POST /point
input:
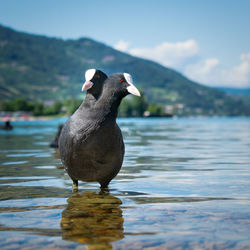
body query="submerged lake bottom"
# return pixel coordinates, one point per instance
(184, 184)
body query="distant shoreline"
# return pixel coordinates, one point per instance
(29, 118)
(46, 118)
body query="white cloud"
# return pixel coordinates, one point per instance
(203, 71)
(239, 74)
(185, 57)
(122, 46)
(209, 65)
(169, 54)
(211, 72)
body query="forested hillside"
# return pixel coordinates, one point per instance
(40, 68)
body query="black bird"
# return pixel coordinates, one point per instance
(91, 144)
(94, 80)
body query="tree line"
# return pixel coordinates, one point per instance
(132, 106)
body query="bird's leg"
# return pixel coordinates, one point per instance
(75, 186)
(104, 186)
(104, 191)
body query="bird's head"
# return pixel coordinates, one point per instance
(121, 84)
(94, 80)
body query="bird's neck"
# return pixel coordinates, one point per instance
(91, 98)
(108, 105)
(88, 102)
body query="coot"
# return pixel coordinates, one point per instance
(94, 80)
(91, 144)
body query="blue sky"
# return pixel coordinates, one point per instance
(208, 41)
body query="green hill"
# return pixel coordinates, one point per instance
(43, 68)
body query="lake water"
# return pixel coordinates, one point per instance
(184, 184)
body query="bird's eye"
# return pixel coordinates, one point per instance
(121, 80)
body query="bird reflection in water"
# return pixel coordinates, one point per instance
(93, 219)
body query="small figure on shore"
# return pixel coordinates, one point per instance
(6, 126)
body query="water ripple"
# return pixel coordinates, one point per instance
(183, 185)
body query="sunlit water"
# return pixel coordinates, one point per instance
(184, 184)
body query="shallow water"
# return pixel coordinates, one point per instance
(184, 184)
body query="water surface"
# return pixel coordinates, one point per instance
(184, 184)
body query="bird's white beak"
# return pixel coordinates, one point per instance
(87, 85)
(133, 90)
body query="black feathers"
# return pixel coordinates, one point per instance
(91, 144)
